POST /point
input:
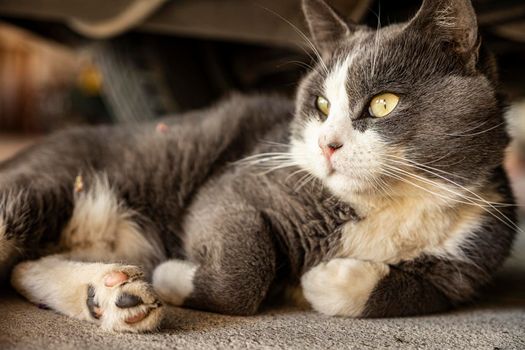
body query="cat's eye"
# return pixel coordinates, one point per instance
(383, 104)
(322, 105)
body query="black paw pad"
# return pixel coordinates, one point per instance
(126, 300)
(91, 303)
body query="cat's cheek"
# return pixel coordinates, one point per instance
(342, 287)
(306, 151)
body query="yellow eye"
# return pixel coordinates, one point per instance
(382, 104)
(322, 105)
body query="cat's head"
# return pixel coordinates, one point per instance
(409, 100)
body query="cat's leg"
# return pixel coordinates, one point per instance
(113, 295)
(84, 281)
(37, 190)
(230, 263)
(349, 287)
(31, 214)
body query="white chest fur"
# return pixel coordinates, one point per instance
(397, 230)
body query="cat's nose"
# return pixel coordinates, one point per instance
(329, 147)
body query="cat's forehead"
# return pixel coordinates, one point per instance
(388, 57)
(366, 38)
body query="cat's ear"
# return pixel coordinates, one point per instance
(451, 21)
(326, 26)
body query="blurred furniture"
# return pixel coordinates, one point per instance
(34, 73)
(263, 21)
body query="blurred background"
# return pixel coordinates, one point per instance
(76, 62)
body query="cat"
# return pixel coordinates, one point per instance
(378, 191)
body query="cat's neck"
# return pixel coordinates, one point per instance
(420, 196)
(410, 221)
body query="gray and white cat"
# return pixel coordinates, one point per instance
(379, 191)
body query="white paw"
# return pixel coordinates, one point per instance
(122, 301)
(342, 286)
(112, 295)
(173, 280)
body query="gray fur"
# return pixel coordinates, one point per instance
(250, 231)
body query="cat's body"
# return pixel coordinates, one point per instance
(239, 208)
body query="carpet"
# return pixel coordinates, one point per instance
(495, 321)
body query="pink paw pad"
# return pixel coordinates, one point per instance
(136, 318)
(115, 278)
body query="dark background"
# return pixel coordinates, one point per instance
(186, 54)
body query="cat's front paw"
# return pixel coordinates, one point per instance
(122, 301)
(342, 286)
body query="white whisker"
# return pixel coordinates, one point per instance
(424, 168)
(303, 36)
(376, 43)
(502, 218)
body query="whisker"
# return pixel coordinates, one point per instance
(437, 160)
(508, 222)
(511, 225)
(376, 42)
(402, 173)
(441, 186)
(298, 63)
(422, 168)
(269, 155)
(282, 166)
(274, 143)
(466, 134)
(295, 173)
(479, 132)
(302, 35)
(301, 183)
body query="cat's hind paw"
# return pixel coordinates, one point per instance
(112, 295)
(123, 301)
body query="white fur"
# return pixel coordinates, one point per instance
(103, 229)
(516, 120)
(173, 280)
(63, 284)
(342, 286)
(357, 164)
(335, 90)
(409, 224)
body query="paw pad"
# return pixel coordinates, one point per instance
(115, 278)
(126, 300)
(93, 307)
(136, 318)
(123, 301)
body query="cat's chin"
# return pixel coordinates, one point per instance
(346, 187)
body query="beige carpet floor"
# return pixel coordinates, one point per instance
(496, 321)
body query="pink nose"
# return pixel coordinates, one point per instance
(329, 148)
